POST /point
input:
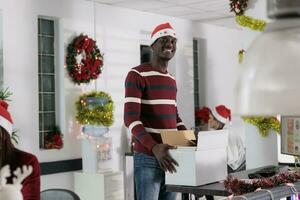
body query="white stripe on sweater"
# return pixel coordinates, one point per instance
(132, 100)
(152, 73)
(159, 101)
(133, 124)
(153, 130)
(150, 102)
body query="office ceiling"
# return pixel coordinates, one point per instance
(196, 10)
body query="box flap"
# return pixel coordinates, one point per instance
(179, 138)
(212, 139)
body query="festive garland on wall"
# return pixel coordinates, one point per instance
(239, 187)
(264, 124)
(101, 115)
(84, 60)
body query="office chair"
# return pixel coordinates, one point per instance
(58, 194)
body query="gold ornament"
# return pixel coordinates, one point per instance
(241, 55)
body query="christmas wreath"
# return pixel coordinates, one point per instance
(84, 60)
(239, 187)
(264, 124)
(100, 115)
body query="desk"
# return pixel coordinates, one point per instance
(213, 189)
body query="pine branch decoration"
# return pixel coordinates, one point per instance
(5, 94)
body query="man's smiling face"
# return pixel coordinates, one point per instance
(165, 47)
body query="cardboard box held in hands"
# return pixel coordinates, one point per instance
(201, 163)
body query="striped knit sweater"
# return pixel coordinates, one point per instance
(150, 106)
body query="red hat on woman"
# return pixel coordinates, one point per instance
(222, 114)
(162, 30)
(5, 118)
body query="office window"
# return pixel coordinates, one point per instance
(46, 74)
(196, 77)
(146, 53)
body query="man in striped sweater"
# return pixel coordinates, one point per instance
(150, 107)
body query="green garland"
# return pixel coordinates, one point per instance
(100, 115)
(264, 124)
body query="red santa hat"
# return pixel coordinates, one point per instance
(162, 30)
(5, 118)
(222, 114)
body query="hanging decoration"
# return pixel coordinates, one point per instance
(264, 124)
(240, 187)
(241, 55)
(92, 110)
(238, 6)
(84, 60)
(250, 22)
(54, 139)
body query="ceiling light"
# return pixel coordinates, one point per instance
(269, 82)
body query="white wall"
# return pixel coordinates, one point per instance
(218, 63)
(119, 33)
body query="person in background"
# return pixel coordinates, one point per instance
(9, 155)
(219, 118)
(150, 107)
(202, 116)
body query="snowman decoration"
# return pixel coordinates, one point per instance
(13, 191)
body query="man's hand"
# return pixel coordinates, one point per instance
(166, 162)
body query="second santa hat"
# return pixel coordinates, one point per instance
(222, 114)
(5, 118)
(162, 30)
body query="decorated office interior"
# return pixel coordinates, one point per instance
(149, 99)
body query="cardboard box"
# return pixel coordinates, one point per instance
(199, 164)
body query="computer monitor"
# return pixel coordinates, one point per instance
(290, 135)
